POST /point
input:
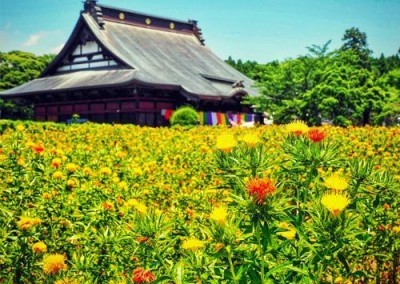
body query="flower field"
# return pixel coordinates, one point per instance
(126, 204)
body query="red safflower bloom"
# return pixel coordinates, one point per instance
(140, 275)
(260, 188)
(316, 135)
(38, 149)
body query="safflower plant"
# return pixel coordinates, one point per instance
(126, 204)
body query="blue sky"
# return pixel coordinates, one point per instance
(261, 30)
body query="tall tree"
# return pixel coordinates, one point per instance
(355, 40)
(319, 50)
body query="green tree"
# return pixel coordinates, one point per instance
(17, 68)
(355, 40)
(390, 113)
(322, 87)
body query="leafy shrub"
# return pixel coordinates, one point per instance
(185, 116)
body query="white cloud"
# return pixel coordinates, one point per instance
(35, 38)
(57, 49)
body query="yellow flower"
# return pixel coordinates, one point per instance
(123, 185)
(54, 263)
(284, 225)
(39, 247)
(87, 171)
(3, 158)
(290, 232)
(192, 244)
(289, 235)
(336, 182)
(137, 171)
(58, 175)
(71, 167)
(71, 183)
(20, 127)
(297, 127)
(25, 223)
(226, 143)
(105, 171)
(46, 196)
(21, 161)
(140, 207)
(396, 229)
(335, 202)
(121, 155)
(219, 215)
(251, 140)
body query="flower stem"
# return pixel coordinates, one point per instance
(261, 252)
(232, 267)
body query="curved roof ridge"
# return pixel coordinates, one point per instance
(190, 22)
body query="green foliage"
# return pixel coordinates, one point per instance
(17, 68)
(15, 108)
(356, 41)
(185, 116)
(345, 86)
(320, 245)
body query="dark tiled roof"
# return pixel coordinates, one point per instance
(78, 79)
(157, 55)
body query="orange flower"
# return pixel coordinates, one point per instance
(140, 275)
(38, 148)
(107, 205)
(218, 247)
(316, 135)
(260, 188)
(54, 263)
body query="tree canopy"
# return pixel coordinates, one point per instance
(345, 87)
(17, 68)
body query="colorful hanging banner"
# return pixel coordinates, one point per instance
(217, 118)
(167, 113)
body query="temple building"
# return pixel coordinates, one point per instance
(128, 67)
